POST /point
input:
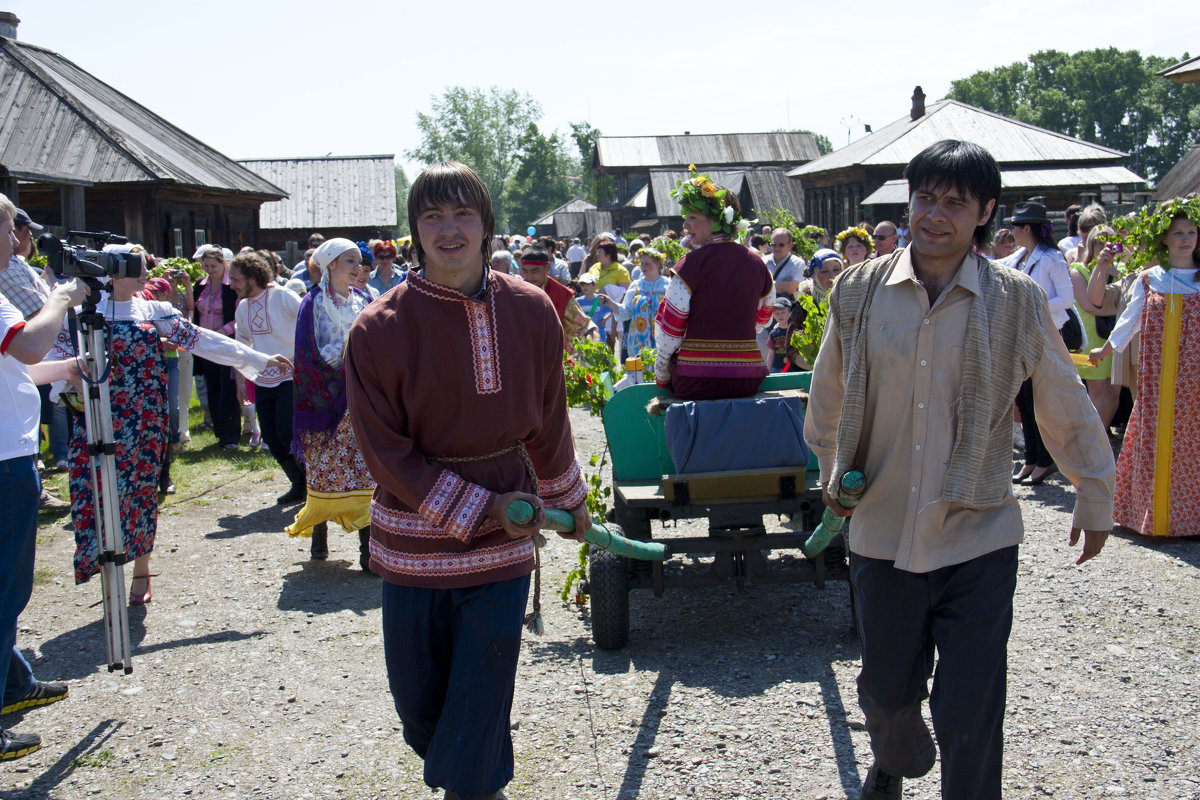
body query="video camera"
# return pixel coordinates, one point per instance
(77, 261)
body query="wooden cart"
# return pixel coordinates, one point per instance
(647, 488)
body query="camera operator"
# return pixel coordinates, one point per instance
(23, 342)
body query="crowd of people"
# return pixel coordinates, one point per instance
(979, 328)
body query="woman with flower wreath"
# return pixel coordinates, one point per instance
(854, 245)
(339, 484)
(640, 304)
(1157, 491)
(720, 295)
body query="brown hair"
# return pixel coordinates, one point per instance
(454, 184)
(254, 268)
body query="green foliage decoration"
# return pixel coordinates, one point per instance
(807, 340)
(590, 373)
(776, 217)
(193, 270)
(1141, 233)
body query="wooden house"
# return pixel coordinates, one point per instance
(1186, 71)
(349, 196)
(864, 179)
(1182, 179)
(567, 221)
(646, 168)
(78, 155)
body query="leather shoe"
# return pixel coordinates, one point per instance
(1040, 479)
(140, 598)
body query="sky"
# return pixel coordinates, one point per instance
(257, 79)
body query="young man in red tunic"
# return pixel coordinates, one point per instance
(457, 396)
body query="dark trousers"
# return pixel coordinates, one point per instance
(964, 612)
(1036, 454)
(274, 406)
(20, 488)
(222, 400)
(452, 663)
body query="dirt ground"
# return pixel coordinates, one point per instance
(259, 674)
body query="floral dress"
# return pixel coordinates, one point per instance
(137, 384)
(639, 307)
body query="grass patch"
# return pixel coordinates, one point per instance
(43, 575)
(101, 758)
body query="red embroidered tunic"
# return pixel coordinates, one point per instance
(435, 381)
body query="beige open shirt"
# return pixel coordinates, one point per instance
(914, 361)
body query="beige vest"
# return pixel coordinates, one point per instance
(1003, 346)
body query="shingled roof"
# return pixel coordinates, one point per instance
(1009, 141)
(61, 124)
(329, 192)
(761, 149)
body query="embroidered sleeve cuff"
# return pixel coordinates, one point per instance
(456, 506)
(1092, 515)
(566, 491)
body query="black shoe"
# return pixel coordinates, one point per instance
(1040, 479)
(319, 549)
(879, 785)
(364, 548)
(15, 745)
(296, 494)
(42, 694)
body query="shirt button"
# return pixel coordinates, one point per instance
(926, 322)
(914, 488)
(920, 405)
(918, 447)
(923, 363)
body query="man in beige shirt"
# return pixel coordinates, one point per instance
(929, 572)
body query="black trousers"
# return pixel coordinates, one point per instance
(1036, 454)
(274, 406)
(222, 400)
(964, 613)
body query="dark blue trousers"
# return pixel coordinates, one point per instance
(20, 488)
(963, 611)
(452, 664)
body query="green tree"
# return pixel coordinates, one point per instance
(542, 180)
(1108, 96)
(482, 129)
(824, 146)
(599, 190)
(402, 186)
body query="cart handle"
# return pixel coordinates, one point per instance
(608, 537)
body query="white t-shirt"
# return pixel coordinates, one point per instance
(20, 405)
(576, 253)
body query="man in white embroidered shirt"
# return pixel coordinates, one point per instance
(266, 320)
(923, 353)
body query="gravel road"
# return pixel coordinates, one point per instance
(259, 674)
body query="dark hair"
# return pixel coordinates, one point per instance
(1072, 214)
(610, 248)
(315, 240)
(548, 243)
(757, 240)
(537, 253)
(254, 268)
(1042, 233)
(453, 184)
(963, 166)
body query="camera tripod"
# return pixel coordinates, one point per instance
(102, 468)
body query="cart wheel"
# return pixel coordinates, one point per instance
(609, 591)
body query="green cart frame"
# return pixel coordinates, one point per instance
(646, 488)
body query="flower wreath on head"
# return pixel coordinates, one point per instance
(1151, 234)
(698, 193)
(858, 233)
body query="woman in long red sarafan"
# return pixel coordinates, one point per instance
(1157, 492)
(720, 296)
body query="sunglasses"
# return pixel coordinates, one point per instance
(879, 237)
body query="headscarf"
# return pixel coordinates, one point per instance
(334, 314)
(814, 266)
